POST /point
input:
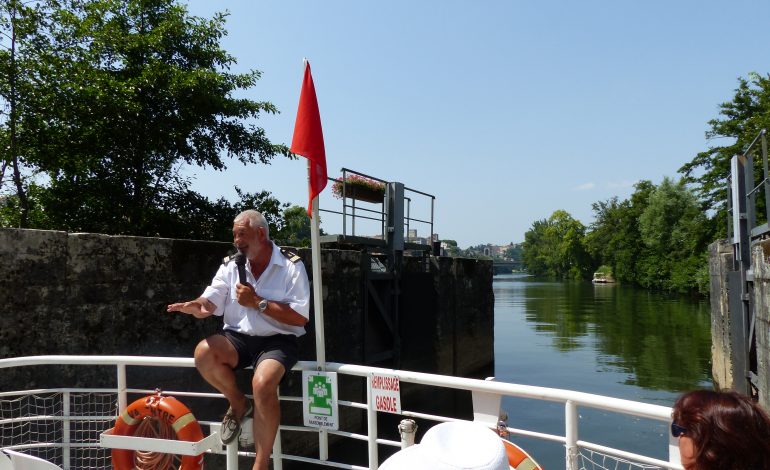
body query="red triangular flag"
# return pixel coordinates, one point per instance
(308, 139)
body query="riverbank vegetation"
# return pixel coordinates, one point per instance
(659, 236)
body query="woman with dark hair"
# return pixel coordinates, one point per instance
(721, 431)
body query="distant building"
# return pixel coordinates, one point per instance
(497, 251)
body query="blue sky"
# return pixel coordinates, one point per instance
(504, 110)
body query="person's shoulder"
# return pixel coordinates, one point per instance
(227, 259)
(291, 255)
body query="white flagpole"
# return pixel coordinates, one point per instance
(318, 306)
(318, 309)
(318, 303)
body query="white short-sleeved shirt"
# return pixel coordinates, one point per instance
(282, 281)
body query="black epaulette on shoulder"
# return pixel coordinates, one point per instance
(293, 257)
(227, 259)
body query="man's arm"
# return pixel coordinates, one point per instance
(199, 308)
(277, 310)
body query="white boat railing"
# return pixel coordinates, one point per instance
(484, 392)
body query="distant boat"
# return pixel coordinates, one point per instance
(602, 278)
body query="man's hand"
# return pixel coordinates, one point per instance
(199, 308)
(247, 296)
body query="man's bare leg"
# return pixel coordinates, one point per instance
(215, 358)
(267, 411)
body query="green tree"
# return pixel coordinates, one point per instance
(556, 248)
(21, 45)
(535, 249)
(605, 240)
(570, 259)
(196, 217)
(296, 228)
(739, 123)
(614, 238)
(672, 228)
(130, 92)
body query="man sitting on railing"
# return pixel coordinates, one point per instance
(263, 316)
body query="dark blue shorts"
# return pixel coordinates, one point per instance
(254, 349)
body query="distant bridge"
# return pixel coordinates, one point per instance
(506, 267)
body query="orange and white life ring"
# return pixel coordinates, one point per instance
(164, 408)
(518, 458)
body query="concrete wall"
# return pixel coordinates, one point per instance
(77, 293)
(720, 262)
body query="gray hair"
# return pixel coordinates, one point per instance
(255, 219)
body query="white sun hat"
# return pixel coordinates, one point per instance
(459, 445)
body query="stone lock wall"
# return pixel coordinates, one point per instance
(720, 262)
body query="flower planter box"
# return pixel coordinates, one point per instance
(359, 187)
(364, 194)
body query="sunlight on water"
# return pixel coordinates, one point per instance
(604, 339)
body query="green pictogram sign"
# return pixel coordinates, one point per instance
(320, 392)
(319, 395)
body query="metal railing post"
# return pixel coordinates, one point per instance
(765, 174)
(432, 204)
(371, 426)
(122, 399)
(277, 451)
(571, 435)
(231, 462)
(66, 430)
(751, 196)
(344, 203)
(674, 455)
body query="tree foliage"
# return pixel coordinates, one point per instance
(672, 228)
(655, 239)
(614, 238)
(658, 237)
(296, 228)
(21, 45)
(120, 96)
(739, 123)
(555, 247)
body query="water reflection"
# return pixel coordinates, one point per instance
(606, 339)
(663, 342)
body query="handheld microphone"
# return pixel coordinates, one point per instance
(240, 261)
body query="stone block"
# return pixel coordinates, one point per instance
(32, 258)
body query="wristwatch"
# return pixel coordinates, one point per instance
(262, 305)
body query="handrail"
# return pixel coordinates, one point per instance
(159, 361)
(348, 192)
(571, 399)
(662, 413)
(645, 410)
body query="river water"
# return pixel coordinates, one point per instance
(611, 340)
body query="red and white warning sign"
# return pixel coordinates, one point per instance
(386, 393)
